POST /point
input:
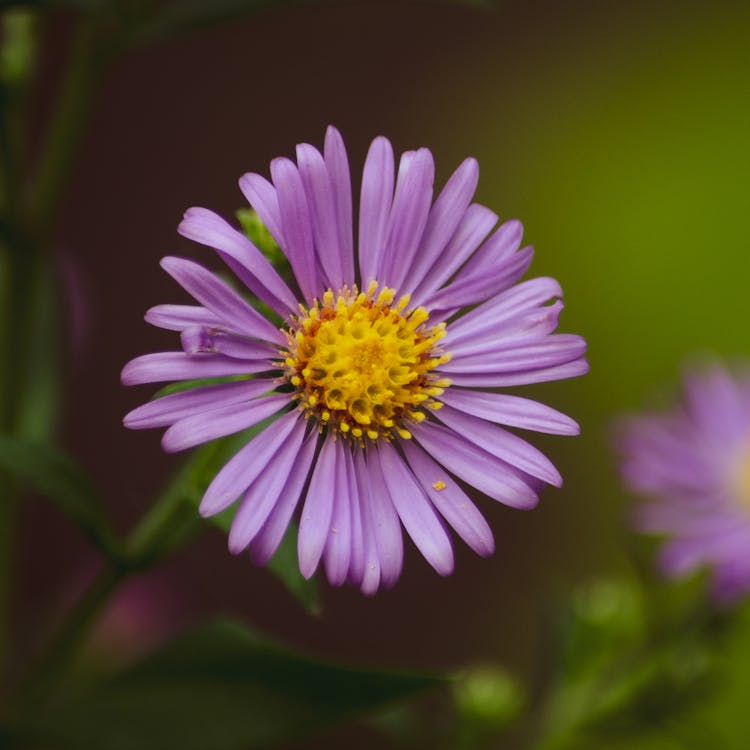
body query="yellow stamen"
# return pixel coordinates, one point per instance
(363, 366)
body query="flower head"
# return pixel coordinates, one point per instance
(378, 378)
(694, 463)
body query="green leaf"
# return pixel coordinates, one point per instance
(57, 477)
(222, 687)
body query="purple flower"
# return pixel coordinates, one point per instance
(382, 384)
(694, 462)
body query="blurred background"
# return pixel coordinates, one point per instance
(618, 133)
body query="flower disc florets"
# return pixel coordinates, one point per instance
(362, 365)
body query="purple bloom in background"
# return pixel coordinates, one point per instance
(378, 379)
(694, 462)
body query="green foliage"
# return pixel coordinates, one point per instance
(221, 687)
(51, 473)
(259, 235)
(17, 46)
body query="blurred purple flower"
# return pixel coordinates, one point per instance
(371, 354)
(694, 461)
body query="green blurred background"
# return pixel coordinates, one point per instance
(619, 133)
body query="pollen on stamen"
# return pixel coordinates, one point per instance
(362, 365)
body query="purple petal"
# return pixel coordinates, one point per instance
(267, 541)
(357, 557)
(411, 207)
(264, 492)
(470, 290)
(523, 377)
(337, 164)
(503, 243)
(502, 444)
(513, 411)
(371, 561)
(242, 469)
(514, 356)
(415, 511)
(475, 225)
(385, 524)
(247, 262)
(450, 500)
(209, 425)
(161, 367)
(315, 523)
(177, 317)
(523, 297)
(220, 299)
(317, 184)
(445, 215)
(261, 195)
(338, 548)
(296, 226)
(528, 326)
(168, 409)
(375, 207)
(475, 466)
(202, 340)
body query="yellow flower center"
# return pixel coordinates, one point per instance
(362, 365)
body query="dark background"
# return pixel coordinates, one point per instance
(618, 133)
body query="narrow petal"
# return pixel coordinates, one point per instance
(337, 164)
(221, 299)
(264, 492)
(357, 558)
(450, 500)
(371, 570)
(202, 340)
(522, 377)
(385, 524)
(242, 469)
(177, 317)
(515, 356)
(317, 184)
(261, 195)
(503, 243)
(161, 367)
(266, 542)
(502, 444)
(338, 548)
(513, 411)
(226, 420)
(470, 290)
(168, 409)
(375, 207)
(296, 226)
(445, 215)
(315, 524)
(236, 250)
(415, 511)
(528, 326)
(475, 466)
(475, 225)
(525, 296)
(409, 213)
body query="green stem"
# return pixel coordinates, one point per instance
(64, 646)
(168, 524)
(75, 102)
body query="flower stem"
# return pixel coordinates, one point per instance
(75, 100)
(168, 524)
